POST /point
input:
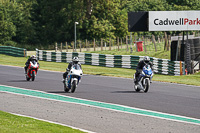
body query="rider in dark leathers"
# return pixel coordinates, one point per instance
(141, 64)
(32, 58)
(75, 60)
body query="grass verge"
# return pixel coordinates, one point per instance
(105, 71)
(10, 123)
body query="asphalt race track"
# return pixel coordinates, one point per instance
(169, 98)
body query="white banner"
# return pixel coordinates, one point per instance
(174, 20)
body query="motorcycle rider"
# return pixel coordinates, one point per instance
(141, 64)
(32, 58)
(75, 60)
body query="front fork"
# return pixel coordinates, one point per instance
(69, 81)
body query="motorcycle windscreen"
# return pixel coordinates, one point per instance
(147, 70)
(76, 67)
(34, 62)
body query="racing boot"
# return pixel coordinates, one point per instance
(63, 80)
(25, 70)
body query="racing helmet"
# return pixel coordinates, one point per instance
(146, 59)
(75, 60)
(33, 57)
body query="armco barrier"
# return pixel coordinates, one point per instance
(13, 51)
(161, 66)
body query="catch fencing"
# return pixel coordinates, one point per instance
(161, 66)
(13, 51)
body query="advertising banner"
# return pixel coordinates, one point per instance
(174, 20)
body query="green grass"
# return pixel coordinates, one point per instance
(10, 123)
(97, 70)
(159, 54)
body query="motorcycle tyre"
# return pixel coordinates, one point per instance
(73, 86)
(33, 76)
(66, 89)
(147, 85)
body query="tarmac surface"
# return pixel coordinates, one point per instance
(169, 98)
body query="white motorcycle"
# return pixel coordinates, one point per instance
(144, 79)
(73, 78)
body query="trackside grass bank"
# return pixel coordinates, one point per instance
(105, 71)
(10, 123)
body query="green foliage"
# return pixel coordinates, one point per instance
(15, 23)
(44, 22)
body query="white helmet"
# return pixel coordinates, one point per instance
(146, 59)
(33, 57)
(75, 60)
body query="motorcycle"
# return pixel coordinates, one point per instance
(73, 78)
(144, 79)
(32, 70)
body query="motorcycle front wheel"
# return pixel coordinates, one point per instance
(33, 76)
(146, 85)
(73, 86)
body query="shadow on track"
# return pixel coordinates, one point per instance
(17, 81)
(57, 92)
(125, 92)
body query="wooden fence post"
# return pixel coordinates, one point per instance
(165, 46)
(121, 43)
(61, 46)
(101, 44)
(80, 45)
(118, 42)
(86, 45)
(110, 44)
(136, 43)
(169, 42)
(154, 42)
(145, 49)
(88, 42)
(127, 43)
(73, 46)
(56, 47)
(94, 44)
(66, 47)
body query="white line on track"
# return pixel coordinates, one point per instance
(107, 108)
(52, 122)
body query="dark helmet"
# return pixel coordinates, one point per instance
(146, 59)
(75, 60)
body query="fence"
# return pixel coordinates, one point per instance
(13, 51)
(161, 66)
(128, 43)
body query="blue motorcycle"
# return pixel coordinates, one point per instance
(144, 79)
